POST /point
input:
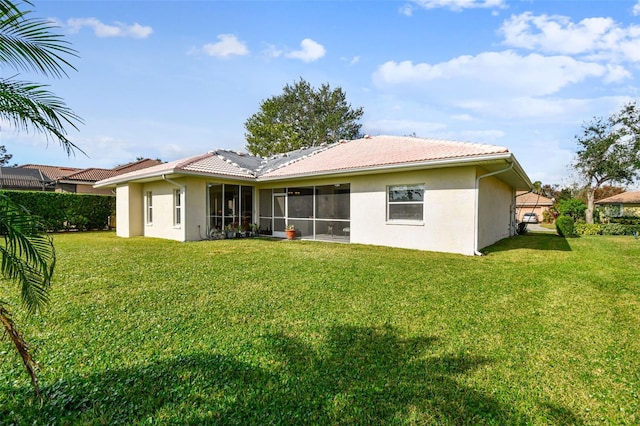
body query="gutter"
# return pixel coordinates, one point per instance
(476, 225)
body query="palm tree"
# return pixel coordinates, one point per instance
(27, 253)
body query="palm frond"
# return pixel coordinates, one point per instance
(21, 345)
(28, 255)
(30, 106)
(28, 44)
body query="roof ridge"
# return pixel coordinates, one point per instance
(180, 164)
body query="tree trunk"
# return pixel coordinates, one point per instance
(591, 193)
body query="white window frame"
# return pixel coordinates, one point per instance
(177, 208)
(405, 221)
(149, 207)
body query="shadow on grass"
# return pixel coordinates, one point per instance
(357, 376)
(531, 241)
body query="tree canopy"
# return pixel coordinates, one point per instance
(609, 151)
(301, 116)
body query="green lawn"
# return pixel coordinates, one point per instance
(541, 330)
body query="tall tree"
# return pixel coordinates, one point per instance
(301, 116)
(27, 253)
(4, 156)
(609, 152)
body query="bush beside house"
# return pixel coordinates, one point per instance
(66, 211)
(564, 226)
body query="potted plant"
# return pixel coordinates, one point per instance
(291, 232)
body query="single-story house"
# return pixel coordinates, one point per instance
(530, 202)
(625, 204)
(405, 192)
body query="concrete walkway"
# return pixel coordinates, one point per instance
(535, 227)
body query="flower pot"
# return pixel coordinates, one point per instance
(291, 234)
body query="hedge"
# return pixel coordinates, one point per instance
(626, 220)
(564, 226)
(65, 211)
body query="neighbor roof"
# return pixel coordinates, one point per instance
(631, 197)
(532, 199)
(90, 175)
(15, 177)
(356, 156)
(52, 172)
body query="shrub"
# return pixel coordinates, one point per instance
(59, 211)
(564, 226)
(618, 229)
(547, 216)
(626, 220)
(587, 229)
(572, 207)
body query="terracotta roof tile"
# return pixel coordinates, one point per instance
(52, 172)
(381, 151)
(631, 197)
(91, 175)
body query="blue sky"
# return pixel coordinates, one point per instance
(169, 79)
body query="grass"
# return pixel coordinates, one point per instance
(541, 330)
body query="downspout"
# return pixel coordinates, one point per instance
(476, 225)
(183, 188)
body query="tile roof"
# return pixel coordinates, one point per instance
(90, 175)
(160, 169)
(356, 155)
(136, 165)
(532, 199)
(631, 197)
(52, 172)
(380, 151)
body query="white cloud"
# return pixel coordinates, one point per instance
(599, 37)
(227, 45)
(406, 10)
(458, 5)
(636, 9)
(271, 51)
(118, 29)
(311, 51)
(495, 74)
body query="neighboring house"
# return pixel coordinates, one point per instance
(530, 202)
(81, 181)
(625, 204)
(407, 192)
(15, 178)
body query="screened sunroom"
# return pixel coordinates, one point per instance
(317, 212)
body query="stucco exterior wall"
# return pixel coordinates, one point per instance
(196, 213)
(496, 212)
(129, 210)
(162, 225)
(448, 211)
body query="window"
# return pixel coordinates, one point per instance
(149, 207)
(177, 207)
(406, 203)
